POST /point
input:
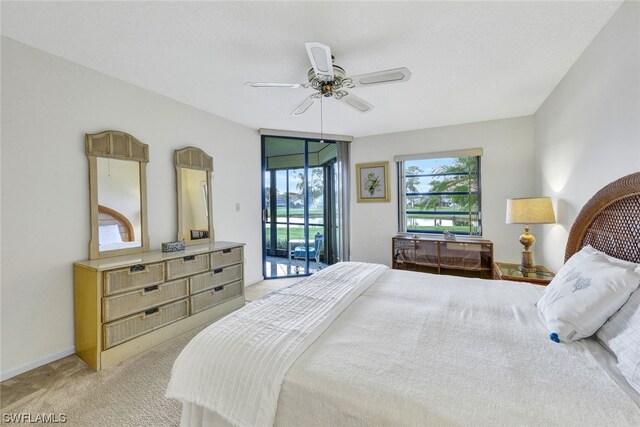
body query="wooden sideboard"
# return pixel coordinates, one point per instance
(126, 305)
(465, 256)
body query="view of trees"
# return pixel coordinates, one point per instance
(295, 196)
(316, 187)
(294, 200)
(452, 180)
(458, 175)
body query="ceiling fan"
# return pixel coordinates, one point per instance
(330, 80)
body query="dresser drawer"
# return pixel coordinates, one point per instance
(216, 277)
(215, 296)
(132, 302)
(187, 266)
(122, 330)
(134, 277)
(226, 257)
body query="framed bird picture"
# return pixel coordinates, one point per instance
(373, 182)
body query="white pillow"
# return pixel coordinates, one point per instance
(109, 234)
(621, 335)
(588, 250)
(583, 295)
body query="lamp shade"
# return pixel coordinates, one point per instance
(530, 210)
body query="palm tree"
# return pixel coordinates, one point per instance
(466, 183)
(316, 189)
(413, 182)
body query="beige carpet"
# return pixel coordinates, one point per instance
(130, 394)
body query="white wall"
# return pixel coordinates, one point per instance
(48, 104)
(587, 132)
(506, 171)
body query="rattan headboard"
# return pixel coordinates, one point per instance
(610, 221)
(108, 216)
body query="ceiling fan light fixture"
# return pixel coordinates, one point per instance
(330, 80)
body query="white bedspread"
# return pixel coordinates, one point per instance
(421, 350)
(418, 349)
(235, 367)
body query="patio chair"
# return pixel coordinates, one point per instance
(300, 253)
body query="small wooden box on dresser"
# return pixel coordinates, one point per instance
(128, 304)
(465, 256)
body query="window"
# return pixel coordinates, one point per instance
(440, 194)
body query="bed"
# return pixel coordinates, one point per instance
(362, 345)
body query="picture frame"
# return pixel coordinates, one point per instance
(373, 182)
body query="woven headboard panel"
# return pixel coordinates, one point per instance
(610, 221)
(107, 216)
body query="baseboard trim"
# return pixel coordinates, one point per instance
(253, 283)
(37, 363)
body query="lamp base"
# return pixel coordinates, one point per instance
(526, 263)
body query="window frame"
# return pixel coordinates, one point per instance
(402, 192)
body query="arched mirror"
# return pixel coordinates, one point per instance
(118, 192)
(193, 178)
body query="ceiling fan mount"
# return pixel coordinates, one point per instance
(328, 88)
(330, 80)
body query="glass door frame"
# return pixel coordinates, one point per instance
(271, 217)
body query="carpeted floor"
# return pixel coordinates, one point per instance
(129, 394)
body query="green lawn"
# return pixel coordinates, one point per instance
(295, 233)
(299, 212)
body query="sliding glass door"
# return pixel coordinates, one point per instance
(300, 223)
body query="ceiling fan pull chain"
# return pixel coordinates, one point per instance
(321, 139)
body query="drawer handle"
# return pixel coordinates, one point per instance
(150, 289)
(137, 268)
(151, 312)
(218, 288)
(189, 258)
(217, 270)
(226, 251)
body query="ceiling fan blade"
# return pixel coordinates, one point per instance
(308, 102)
(356, 102)
(395, 75)
(320, 57)
(285, 85)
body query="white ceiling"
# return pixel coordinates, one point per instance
(471, 61)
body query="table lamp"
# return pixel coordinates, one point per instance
(529, 210)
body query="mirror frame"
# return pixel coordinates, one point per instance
(122, 146)
(194, 158)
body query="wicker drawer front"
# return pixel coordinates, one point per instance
(226, 257)
(134, 277)
(132, 302)
(187, 266)
(122, 330)
(217, 277)
(216, 296)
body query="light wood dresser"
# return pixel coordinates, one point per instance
(128, 304)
